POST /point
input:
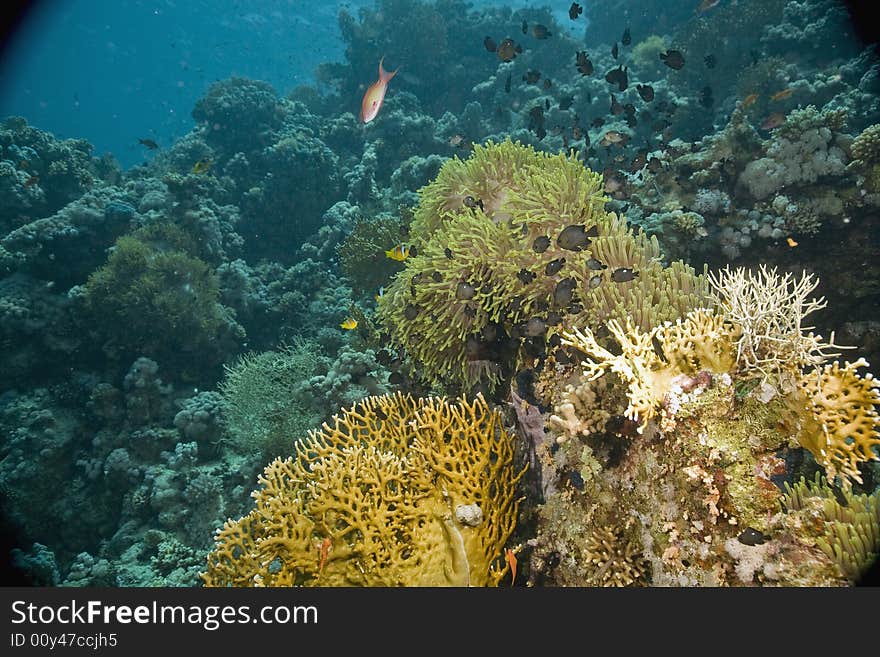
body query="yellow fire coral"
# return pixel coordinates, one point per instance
(838, 421)
(397, 491)
(653, 363)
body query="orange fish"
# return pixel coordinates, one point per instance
(773, 121)
(749, 100)
(510, 558)
(325, 551)
(372, 102)
(782, 95)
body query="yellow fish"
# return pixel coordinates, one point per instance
(202, 166)
(349, 324)
(791, 242)
(399, 253)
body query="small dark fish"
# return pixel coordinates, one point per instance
(646, 91)
(564, 292)
(540, 32)
(838, 494)
(583, 63)
(756, 57)
(437, 277)
(751, 536)
(626, 39)
(472, 203)
(149, 143)
(531, 76)
(598, 122)
(619, 77)
(547, 103)
(565, 102)
(525, 276)
(575, 10)
(595, 265)
(410, 312)
(547, 84)
(395, 378)
(710, 61)
(614, 50)
(490, 44)
(623, 275)
(658, 348)
(616, 108)
(630, 109)
(639, 161)
(541, 244)
(525, 27)
(31, 181)
(535, 327)
(554, 266)
(554, 318)
(448, 252)
(575, 237)
(507, 84)
(706, 99)
(595, 281)
(673, 59)
(508, 50)
(464, 291)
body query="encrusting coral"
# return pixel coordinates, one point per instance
(511, 243)
(397, 491)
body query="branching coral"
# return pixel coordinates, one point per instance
(847, 525)
(837, 419)
(396, 491)
(660, 362)
(770, 309)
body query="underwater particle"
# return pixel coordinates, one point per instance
(410, 312)
(595, 265)
(540, 31)
(751, 536)
(646, 91)
(508, 50)
(489, 44)
(710, 61)
(575, 10)
(554, 266)
(525, 276)
(535, 327)
(576, 237)
(626, 39)
(583, 63)
(564, 292)
(595, 281)
(673, 59)
(541, 244)
(623, 274)
(464, 291)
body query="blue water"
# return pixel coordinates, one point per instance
(113, 71)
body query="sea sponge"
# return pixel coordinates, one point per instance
(837, 419)
(395, 491)
(511, 243)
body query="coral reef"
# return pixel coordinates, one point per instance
(396, 491)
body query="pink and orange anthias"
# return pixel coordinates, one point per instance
(375, 95)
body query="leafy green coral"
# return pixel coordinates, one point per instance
(152, 296)
(512, 242)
